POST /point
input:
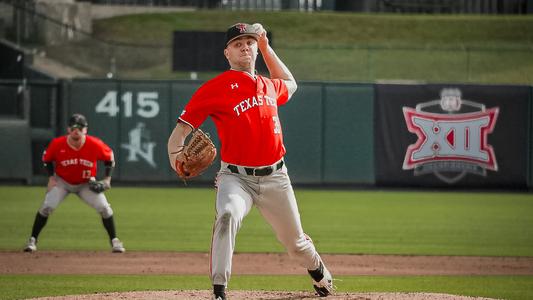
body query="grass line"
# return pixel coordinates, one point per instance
(500, 287)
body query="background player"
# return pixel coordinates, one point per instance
(71, 162)
(244, 107)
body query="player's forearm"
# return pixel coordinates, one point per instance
(176, 141)
(109, 166)
(178, 136)
(276, 68)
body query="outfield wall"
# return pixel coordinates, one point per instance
(465, 136)
(322, 120)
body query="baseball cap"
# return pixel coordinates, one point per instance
(77, 121)
(238, 30)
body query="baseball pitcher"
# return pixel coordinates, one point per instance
(244, 107)
(71, 162)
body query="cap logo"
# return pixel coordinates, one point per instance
(241, 27)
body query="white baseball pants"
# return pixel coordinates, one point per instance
(57, 194)
(274, 197)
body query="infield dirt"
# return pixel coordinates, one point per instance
(98, 262)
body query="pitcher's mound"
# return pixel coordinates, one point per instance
(278, 295)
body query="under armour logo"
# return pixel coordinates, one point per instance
(234, 86)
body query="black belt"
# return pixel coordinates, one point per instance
(257, 171)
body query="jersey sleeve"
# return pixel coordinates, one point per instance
(281, 91)
(49, 153)
(199, 107)
(105, 152)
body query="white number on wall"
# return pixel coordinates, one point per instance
(147, 105)
(108, 104)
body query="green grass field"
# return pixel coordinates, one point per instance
(369, 222)
(499, 287)
(325, 46)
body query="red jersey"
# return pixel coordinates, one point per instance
(77, 166)
(245, 112)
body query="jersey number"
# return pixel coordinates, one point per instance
(148, 107)
(86, 174)
(277, 125)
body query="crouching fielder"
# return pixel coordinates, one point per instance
(71, 162)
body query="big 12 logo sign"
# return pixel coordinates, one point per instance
(450, 143)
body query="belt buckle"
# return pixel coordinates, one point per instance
(263, 171)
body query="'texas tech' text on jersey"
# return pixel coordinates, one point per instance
(245, 112)
(77, 166)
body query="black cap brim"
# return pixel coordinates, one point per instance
(255, 36)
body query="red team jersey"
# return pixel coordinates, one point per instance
(77, 166)
(245, 112)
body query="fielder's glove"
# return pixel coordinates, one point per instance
(98, 186)
(197, 156)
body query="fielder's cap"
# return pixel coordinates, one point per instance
(77, 121)
(238, 30)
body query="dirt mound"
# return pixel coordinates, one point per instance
(241, 295)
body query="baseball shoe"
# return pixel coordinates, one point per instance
(117, 246)
(322, 281)
(219, 292)
(31, 246)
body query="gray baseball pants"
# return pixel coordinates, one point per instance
(57, 194)
(274, 197)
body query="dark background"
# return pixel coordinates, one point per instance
(509, 138)
(204, 51)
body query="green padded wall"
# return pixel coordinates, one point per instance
(348, 134)
(327, 128)
(302, 120)
(131, 117)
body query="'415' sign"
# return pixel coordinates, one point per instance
(140, 145)
(145, 104)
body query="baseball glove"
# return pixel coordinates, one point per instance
(98, 186)
(198, 154)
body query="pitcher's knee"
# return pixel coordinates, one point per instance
(45, 211)
(226, 222)
(105, 211)
(226, 218)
